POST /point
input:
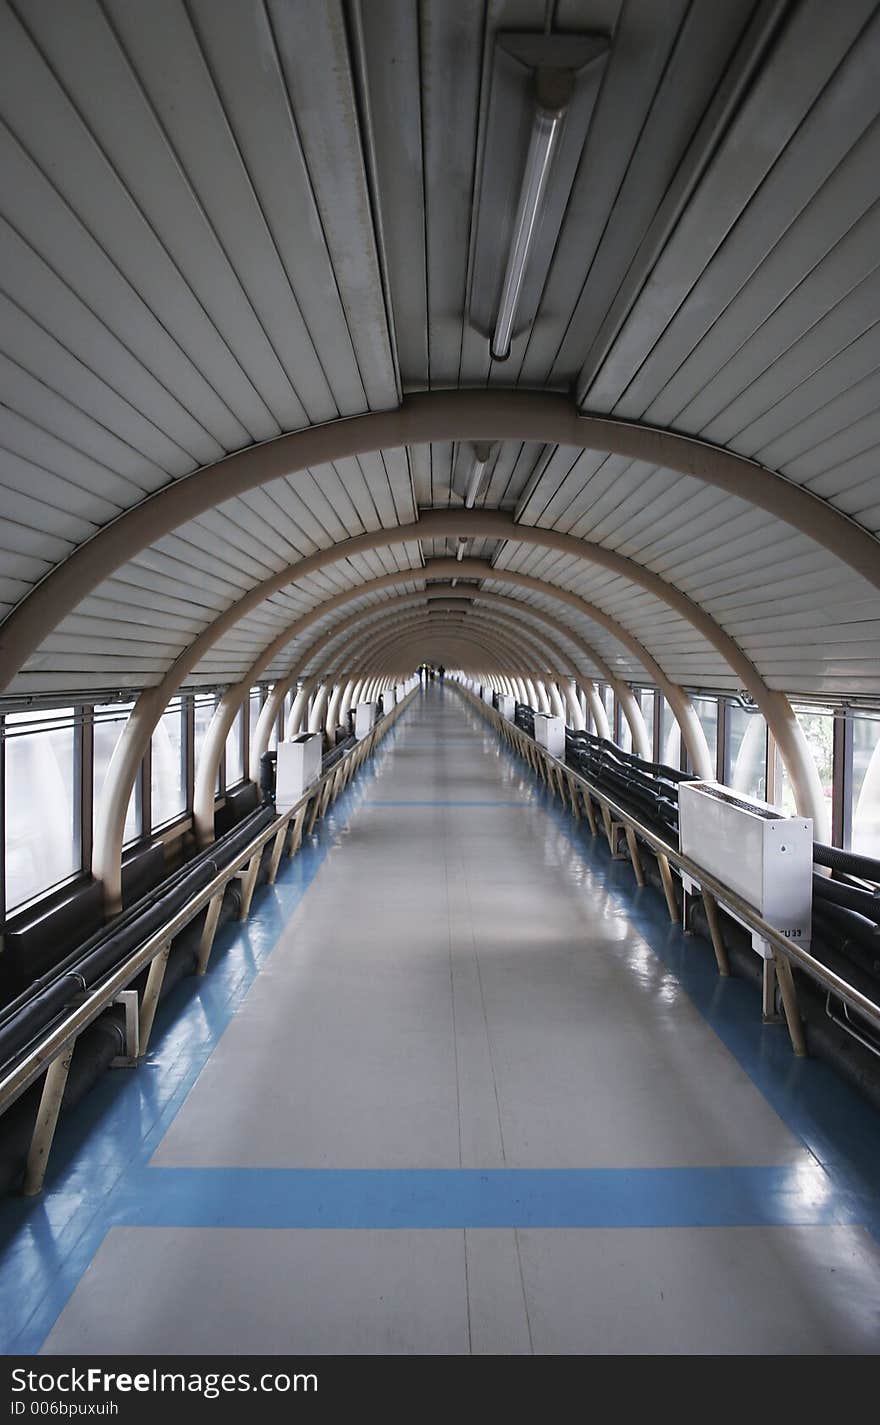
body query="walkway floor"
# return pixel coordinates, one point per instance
(458, 1088)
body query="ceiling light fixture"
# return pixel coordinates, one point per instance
(552, 91)
(541, 92)
(477, 476)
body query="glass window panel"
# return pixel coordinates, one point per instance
(670, 737)
(707, 713)
(646, 703)
(608, 700)
(273, 734)
(866, 786)
(203, 712)
(168, 780)
(109, 725)
(255, 702)
(625, 732)
(818, 729)
(747, 751)
(43, 845)
(235, 751)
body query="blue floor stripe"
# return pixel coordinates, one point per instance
(374, 802)
(458, 1198)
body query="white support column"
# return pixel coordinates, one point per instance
(316, 712)
(346, 699)
(569, 687)
(118, 786)
(357, 693)
(641, 742)
(333, 704)
(298, 708)
(262, 733)
(597, 708)
(557, 707)
(801, 767)
(208, 762)
(694, 737)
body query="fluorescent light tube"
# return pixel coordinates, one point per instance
(477, 475)
(543, 141)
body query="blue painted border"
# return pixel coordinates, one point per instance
(48, 1243)
(836, 1124)
(500, 1198)
(100, 1175)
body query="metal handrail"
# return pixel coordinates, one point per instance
(722, 893)
(32, 1062)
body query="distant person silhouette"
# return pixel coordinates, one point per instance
(440, 672)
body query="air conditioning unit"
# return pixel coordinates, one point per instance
(364, 719)
(756, 850)
(550, 733)
(298, 766)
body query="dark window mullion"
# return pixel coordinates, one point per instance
(842, 780)
(84, 794)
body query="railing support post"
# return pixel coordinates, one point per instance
(635, 856)
(788, 991)
(716, 933)
(249, 883)
(150, 1001)
(46, 1122)
(668, 883)
(209, 929)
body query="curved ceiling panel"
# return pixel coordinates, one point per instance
(212, 234)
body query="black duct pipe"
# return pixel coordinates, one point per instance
(865, 903)
(224, 848)
(268, 773)
(34, 1010)
(846, 862)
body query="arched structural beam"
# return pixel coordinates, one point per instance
(347, 654)
(511, 648)
(132, 744)
(480, 415)
(489, 524)
(352, 650)
(360, 630)
(446, 648)
(231, 703)
(688, 722)
(472, 524)
(692, 731)
(428, 633)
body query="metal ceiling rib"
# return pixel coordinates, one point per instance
(212, 232)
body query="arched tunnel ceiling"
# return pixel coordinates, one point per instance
(212, 234)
